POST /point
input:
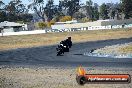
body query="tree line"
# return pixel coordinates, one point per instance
(14, 11)
(49, 12)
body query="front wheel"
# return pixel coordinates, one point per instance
(59, 53)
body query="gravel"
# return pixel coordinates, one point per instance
(42, 77)
(111, 51)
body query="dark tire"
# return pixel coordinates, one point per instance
(58, 53)
(81, 80)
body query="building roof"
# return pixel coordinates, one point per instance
(67, 22)
(9, 24)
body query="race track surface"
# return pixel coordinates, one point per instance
(46, 56)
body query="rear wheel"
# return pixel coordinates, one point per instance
(58, 53)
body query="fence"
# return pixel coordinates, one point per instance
(65, 30)
(89, 28)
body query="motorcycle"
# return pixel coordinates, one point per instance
(64, 46)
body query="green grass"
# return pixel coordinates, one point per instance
(21, 41)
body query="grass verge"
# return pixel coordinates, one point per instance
(127, 49)
(23, 41)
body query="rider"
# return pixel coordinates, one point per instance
(67, 42)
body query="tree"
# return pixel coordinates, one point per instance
(78, 15)
(95, 11)
(104, 11)
(38, 7)
(15, 11)
(127, 8)
(50, 10)
(46, 13)
(3, 16)
(16, 7)
(60, 6)
(85, 19)
(25, 17)
(41, 25)
(112, 14)
(65, 18)
(119, 11)
(57, 16)
(73, 7)
(20, 8)
(92, 10)
(1, 5)
(70, 6)
(10, 9)
(89, 8)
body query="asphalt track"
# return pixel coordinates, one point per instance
(46, 56)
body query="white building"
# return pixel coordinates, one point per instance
(100, 24)
(12, 27)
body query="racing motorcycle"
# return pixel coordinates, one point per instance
(64, 46)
